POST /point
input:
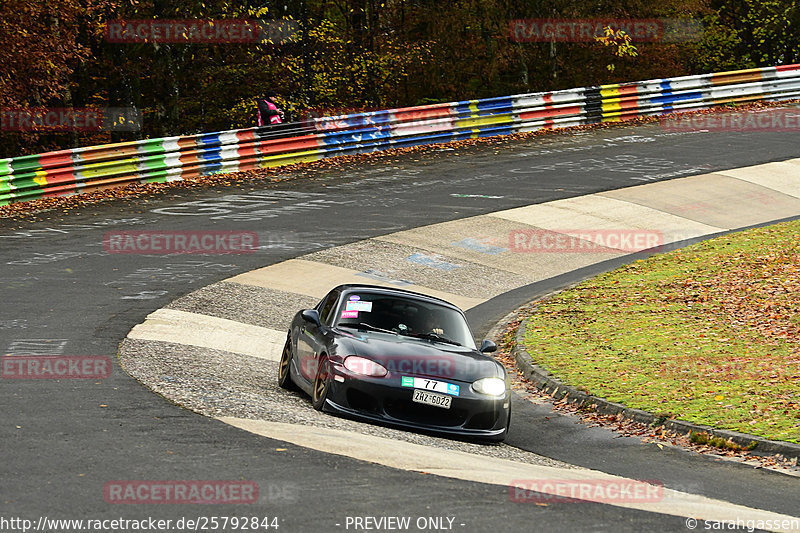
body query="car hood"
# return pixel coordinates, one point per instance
(417, 357)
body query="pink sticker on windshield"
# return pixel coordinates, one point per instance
(349, 314)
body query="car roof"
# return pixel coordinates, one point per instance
(354, 287)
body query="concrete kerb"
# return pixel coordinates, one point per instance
(553, 386)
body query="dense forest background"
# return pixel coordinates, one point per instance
(346, 55)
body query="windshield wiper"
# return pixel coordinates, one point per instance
(364, 325)
(436, 337)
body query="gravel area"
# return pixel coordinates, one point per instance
(456, 276)
(257, 306)
(218, 383)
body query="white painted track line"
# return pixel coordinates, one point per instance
(316, 279)
(781, 176)
(483, 469)
(181, 327)
(599, 212)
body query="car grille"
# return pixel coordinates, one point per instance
(418, 413)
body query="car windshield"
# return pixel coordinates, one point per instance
(407, 317)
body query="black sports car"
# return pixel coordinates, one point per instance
(396, 357)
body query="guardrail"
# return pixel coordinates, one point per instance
(175, 158)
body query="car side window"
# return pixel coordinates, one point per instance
(326, 310)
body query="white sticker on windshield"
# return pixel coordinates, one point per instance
(359, 306)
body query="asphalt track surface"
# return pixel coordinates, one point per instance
(62, 294)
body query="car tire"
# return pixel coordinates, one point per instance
(284, 368)
(322, 383)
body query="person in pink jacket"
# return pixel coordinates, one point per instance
(268, 111)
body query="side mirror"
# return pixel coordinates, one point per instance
(488, 346)
(311, 315)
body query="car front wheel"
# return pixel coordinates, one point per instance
(321, 385)
(284, 374)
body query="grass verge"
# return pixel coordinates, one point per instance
(709, 334)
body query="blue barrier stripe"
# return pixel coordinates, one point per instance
(479, 108)
(669, 97)
(439, 137)
(210, 155)
(499, 130)
(336, 138)
(212, 168)
(358, 119)
(209, 139)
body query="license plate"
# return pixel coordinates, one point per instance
(431, 398)
(431, 385)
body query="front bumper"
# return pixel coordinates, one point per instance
(385, 401)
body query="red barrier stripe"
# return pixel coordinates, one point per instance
(275, 146)
(550, 112)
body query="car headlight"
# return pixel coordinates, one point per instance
(367, 367)
(490, 386)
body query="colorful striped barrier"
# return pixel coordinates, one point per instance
(177, 158)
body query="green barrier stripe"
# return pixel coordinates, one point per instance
(5, 168)
(6, 195)
(26, 162)
(152, 146)
(153, 161)
(27, 187)
(156, 162)
(155, 176)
